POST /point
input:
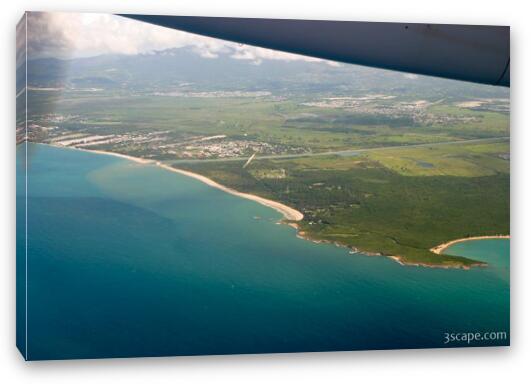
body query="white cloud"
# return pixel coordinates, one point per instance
(89, 34)
(68, 35)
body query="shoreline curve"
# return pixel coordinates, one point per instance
(289, 213)
(439, 249)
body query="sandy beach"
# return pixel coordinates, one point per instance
(442, 247)
(127, 157)
(288, 212)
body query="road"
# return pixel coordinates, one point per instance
(345, 152)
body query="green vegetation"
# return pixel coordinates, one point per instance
(383, 206)
(399, 189)
(288, 123)
(447, 160)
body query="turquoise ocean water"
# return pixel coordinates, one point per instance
(129, 260)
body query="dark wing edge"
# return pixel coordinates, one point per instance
(474, 53)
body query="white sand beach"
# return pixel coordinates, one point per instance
(442, 247)
(288, 212)
(127, 157)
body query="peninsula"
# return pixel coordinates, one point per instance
(316, 228)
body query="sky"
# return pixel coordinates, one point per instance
(71, 35)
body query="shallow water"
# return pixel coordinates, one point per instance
(127, 259)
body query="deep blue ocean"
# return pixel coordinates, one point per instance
(125, 260)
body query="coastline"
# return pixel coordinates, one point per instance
(399, 259)
(138, 160)
(289, 213)
(439, 249)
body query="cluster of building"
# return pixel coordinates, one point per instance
(226, 148)
(214, 94)
(378, 105)
(347, 102)
(162, 145)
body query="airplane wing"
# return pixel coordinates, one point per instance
(474, 53)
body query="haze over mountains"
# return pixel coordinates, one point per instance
(187, 69)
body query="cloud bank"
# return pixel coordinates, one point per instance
(71, 35)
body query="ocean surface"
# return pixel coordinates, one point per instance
(125, 259)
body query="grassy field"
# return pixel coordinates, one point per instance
(447, 160)
(398, 201)
(264, 119)
(390, 201)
